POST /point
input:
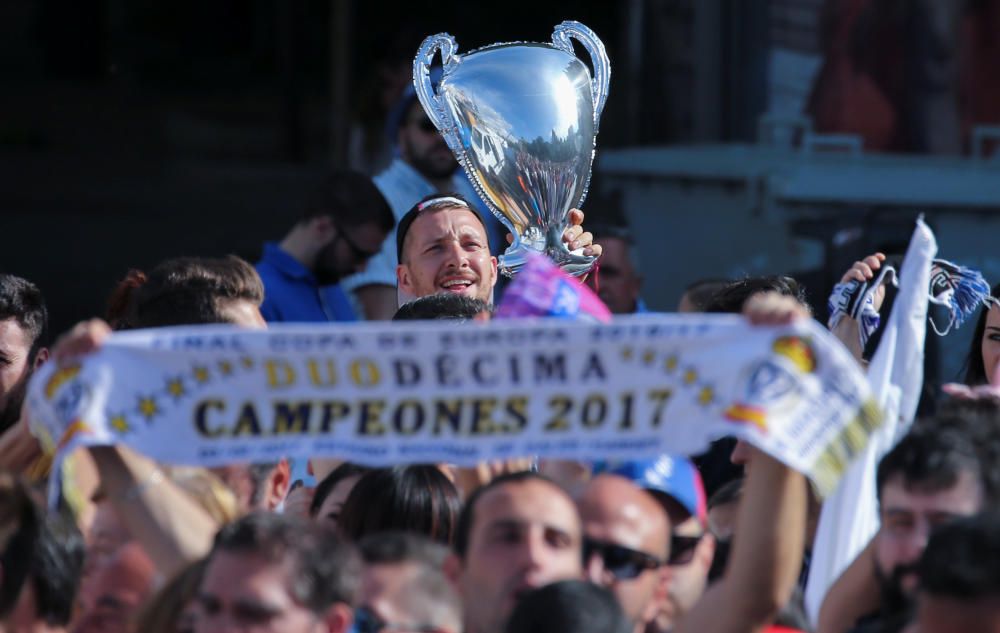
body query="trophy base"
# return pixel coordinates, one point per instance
(571, 262)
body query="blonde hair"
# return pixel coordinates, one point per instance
(207, 490)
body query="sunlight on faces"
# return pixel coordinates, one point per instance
(524, 535)
(909, 515)
(446, 250)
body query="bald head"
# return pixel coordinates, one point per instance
(613, 508)
(629, 536)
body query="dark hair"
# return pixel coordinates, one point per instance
(422, 207)
(729, 492)
(324, 569)
(22, 301)
(463, 529)
(731, 297)
(977, 420)
(183, 291)
(325, 487)
(351, 199)
(443, 305)
(56, 569)
(960, 560)
(929, 458)
(20, 524)
(390, 548)
(700, 292)
(416, 498)
(568, 606)
(975, 366)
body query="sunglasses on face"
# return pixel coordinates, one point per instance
(424, 124)
(682, 549)
(358, 253)
(365, 621)
(622, 562)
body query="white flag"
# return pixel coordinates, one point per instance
(849, 518)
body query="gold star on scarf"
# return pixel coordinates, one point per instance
(201, 374)
(627, 353)
(148, 407)
(690, 376)
(706, 395)
(120, 424)
(671, 363)
(648, 357)
(175, 387)
(247, 362)
(225, 367)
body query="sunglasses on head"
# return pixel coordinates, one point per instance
(622, 562)
(682, 549)
(365, 621)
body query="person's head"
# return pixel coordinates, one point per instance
(698, 294)
(172, 607)
(932, 476)
(344, 224)
(568, 606)
(417, 498)
(723, 507)
(261, 486)
(984, 349)
(443, 246)
(23, 330)
(619, 282)
(421, 145)
(118, 590)
(959, 588)
(626, 544)
(444, 306)
(189, 291)
(519, 532)
(404, 587)
(277, 573)
(675, 483)
(731, 297)
(331, 493)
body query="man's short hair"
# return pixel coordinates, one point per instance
(351, 199)
(443, 306)
(568, 606)
(960, 560)
(184, 291)
(731, 297)
(433, 202)
(396, 547)
(323, 569)
(463, 529)
(22, 301)
(701, 291)
(929, 459)
(56, 569)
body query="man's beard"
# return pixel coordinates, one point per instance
(430, 168)
(894, 598)
(326, 270)
(11, 413)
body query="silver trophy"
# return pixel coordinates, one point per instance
(522, 120)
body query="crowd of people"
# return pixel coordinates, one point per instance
(720, 543)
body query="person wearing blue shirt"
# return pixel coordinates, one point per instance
(343, 226)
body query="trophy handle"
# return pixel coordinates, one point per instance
(594, 46)
(432, 103)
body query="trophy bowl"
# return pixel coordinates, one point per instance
(522, 119)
